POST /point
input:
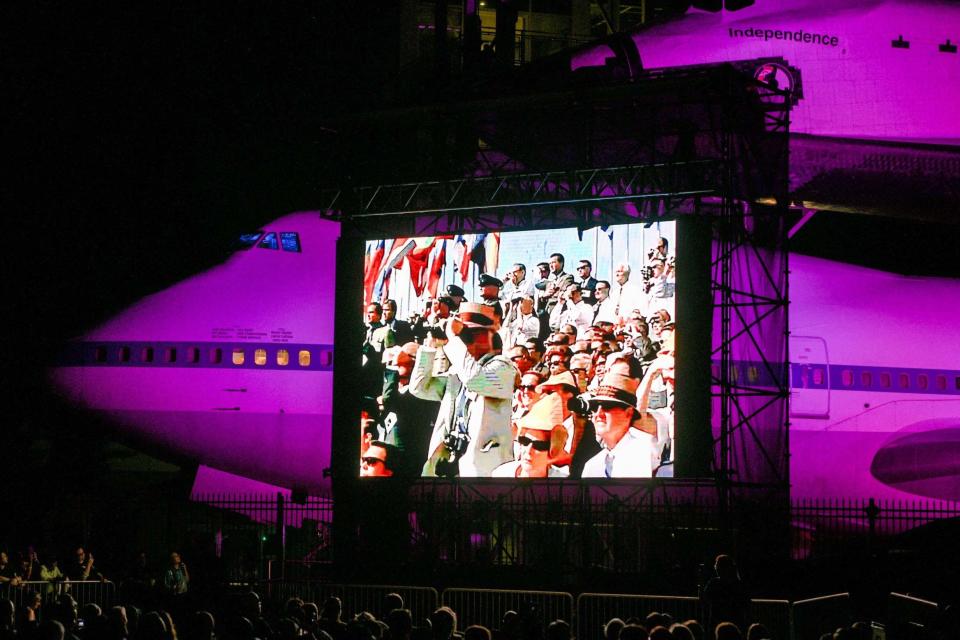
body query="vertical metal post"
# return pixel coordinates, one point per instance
(281, 535)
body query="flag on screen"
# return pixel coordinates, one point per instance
(492, 248)
(461, 256)
(478, 251)
(371, 271)
(381, 289)
(436, 262)
(417, 262)
(401, 247)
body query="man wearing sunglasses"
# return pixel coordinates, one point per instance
(376, 461)
(539, 442)
(626, 452)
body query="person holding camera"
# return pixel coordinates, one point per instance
(472, 433)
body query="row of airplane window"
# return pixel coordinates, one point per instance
(885, 380)
(215, 355)
(848, 378)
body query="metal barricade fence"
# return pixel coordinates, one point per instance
(102, 594)
(487, 606)
(816, 616)
(774, 615)
(904, 608)
(594, 610)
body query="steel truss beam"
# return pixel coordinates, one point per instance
(664, 181)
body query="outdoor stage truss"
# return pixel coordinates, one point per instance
(724, 155)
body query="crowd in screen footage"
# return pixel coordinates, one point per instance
(546, 373)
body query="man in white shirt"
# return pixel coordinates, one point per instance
(626, 452)
(572, 310)
(626, 295)
(525, 325)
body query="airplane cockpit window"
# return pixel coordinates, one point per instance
(290, 241)
(269, 241)
(247, 240)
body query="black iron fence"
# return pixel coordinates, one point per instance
(30, 593)
(568, 527)
(823, 525)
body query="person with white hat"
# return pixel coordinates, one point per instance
(627, 452)
(472, 433)
(540, 440)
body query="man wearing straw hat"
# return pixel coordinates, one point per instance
(626, 452)
(540, 440)
(472, 433)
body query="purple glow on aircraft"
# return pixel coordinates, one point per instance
(874, 363)
(232, 367)
(856, 84)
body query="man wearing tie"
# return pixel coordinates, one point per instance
(626, 452)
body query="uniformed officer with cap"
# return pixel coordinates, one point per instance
(456, 294)
(490, 287)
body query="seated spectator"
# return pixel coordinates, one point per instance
(443, 621)
(757, 631)
(695, 628)
(399, 620)
(330, 620)
(611, 630)
(680, 631)
(558, 630)
(49, 630)
(633, 631)
(8, 573)
(727, 631)
(476, 632)
(660, 633)
(82, 567)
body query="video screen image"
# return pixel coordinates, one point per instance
(524, 354)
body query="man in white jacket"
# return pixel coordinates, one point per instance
(472, 433)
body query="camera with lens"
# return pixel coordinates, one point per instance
(456, 443)
(580, 405)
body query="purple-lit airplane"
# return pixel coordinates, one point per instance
(233, 367)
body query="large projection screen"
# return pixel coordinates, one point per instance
(557, 362)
